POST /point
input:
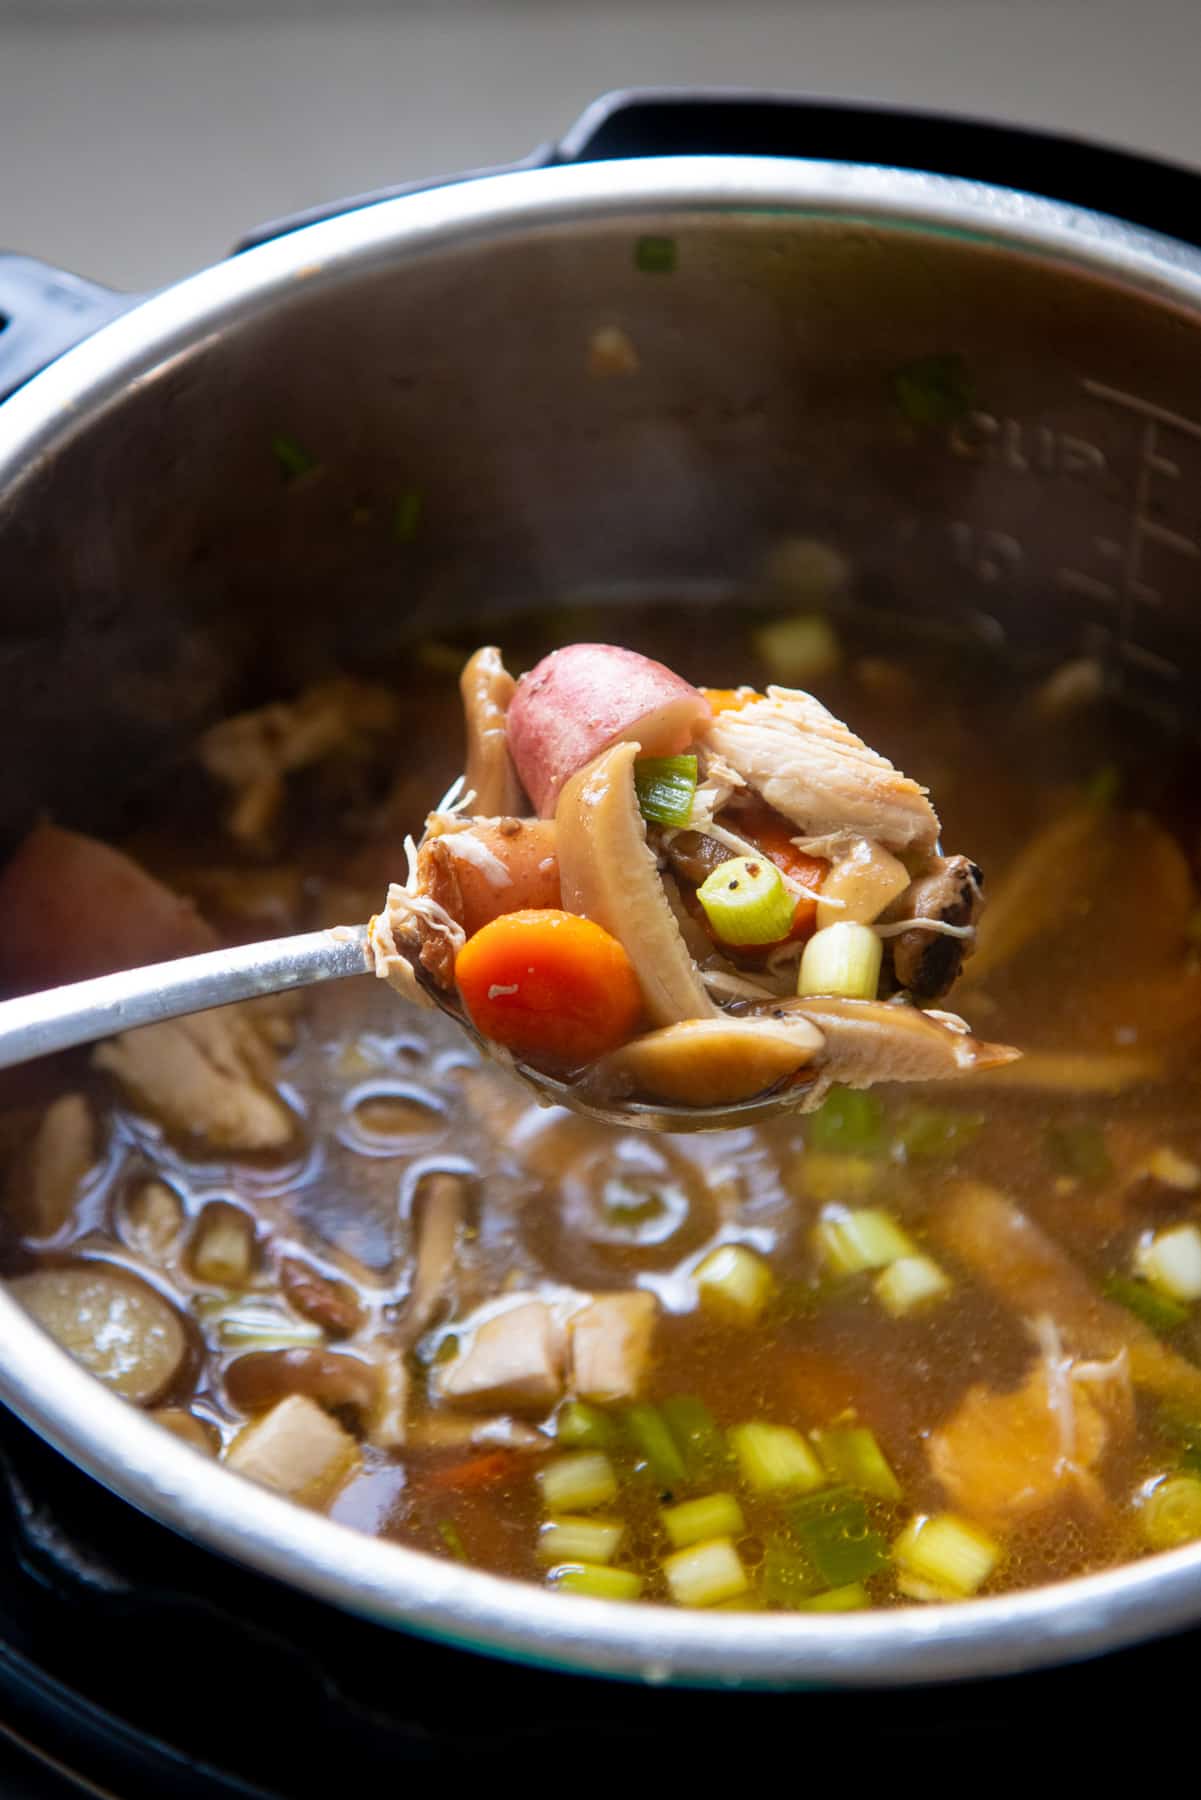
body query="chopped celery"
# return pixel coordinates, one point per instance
(1170, 1511)
(665, 786)
(842, 959)
(1078, 1150)
(850, 1240)
(407, 516)
(848, 1119)
(1183, 1429)
(1171, 1262)
(786, 1579)
(581, 1426)
(716, 1515)
(909, 1283)
(850, 1455)
(925, 1133)
(595, 1580)
(775, 1459)
(933, 390)
(697, 1434)
(655, 255)
(578, 1482)
(735, 1284)
(448, 1531)
(953, 1556)
(705, 1574)
(293, 458)
(1146, 1303)
(655, 1444)
(837, 1537)
(799, 649)
(571, 1539)
(831, 1175)
(746, 902)
(851, 1598)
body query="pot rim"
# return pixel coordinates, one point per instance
(385, 1581)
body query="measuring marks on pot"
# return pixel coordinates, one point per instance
(1123, 588)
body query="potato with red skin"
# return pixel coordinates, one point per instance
(550, 986)
(584, 698)
(491, 867)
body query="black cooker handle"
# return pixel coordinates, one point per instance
(735, 122)
(44, 311)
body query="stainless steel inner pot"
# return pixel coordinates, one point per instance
(154, 569)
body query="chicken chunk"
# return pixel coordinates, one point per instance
(610, 1344)
(812, 768)
(46, 1180)
(296, 1448)
(203, 1077)
(514, 1361)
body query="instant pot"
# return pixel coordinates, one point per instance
(773, 263)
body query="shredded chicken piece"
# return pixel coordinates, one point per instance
(207, 1076)
(809, 766)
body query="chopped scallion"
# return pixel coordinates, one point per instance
(933, 390)
(849, 1240)
(1170, 1511)
(596, 1581)
(655, 1444)
(925, 1133)
(655, 255)
(293, 458)
(953, 1556)
(705, 1574)
(851, 1598)
(828, 1176)
(909, 1283)
(1145, 1302)
(665, 786)
(799, 649)
(851, 1456)
(735, 1284)
(578, 1482)
(850, 1120)
(692, 1521)
(837, 1537)
(1171, 1262)
(1103, 786)
(448, 1531)
(775, 1459)
(787, 1579)
(697, 1434)
(842, 959)
(587, 1540)
(1078, 1149)
(746, 902)
(581, 1426)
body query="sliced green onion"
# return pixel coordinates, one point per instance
(448, 1531)
(775, 1459)
(715, 1515)
(933, 390)
(1146, 1303)
(1078, 1150)
(851, 1456)
(842, 959)
(926, 1133)
(735, 1284)
(293, 458)
(655, 1444)
(799, 649)
(1171, 1262)
(578, 1482)
(851, 1598)
(258, 1321)
(705, 1574)
(837, 1537)
(598, 1582)
(655, 255)
(944, 1550)
(909, 1283)
(407, 516)
(849, 1120)
(665, 786)
(587, 1540)
(581, 1426)
(1170, 1511)
(746, 902)
(1184, 1430)
(697, 1434)
(786, 1579)
(440, 658)
(828, 1176)
(849, 1240)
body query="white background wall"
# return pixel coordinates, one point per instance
(137, 141)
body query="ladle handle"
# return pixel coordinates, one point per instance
(58, 1019)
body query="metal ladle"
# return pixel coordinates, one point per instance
(84, 1011)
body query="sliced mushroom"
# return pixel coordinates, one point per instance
(710, 1062)
(440, 1209)
(330, 1377)
(950, 891)
(330, 1304)
(114, 1324)
(487, 688)
(868, 1041)
(183, 1424)
(608, 873)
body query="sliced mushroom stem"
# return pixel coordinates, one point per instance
(870, 1040)
(487, 688)
(441, 1208)
(710, 1062)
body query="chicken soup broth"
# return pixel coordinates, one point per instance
(920, 1344)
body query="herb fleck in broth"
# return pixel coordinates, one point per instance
(1023, 1402)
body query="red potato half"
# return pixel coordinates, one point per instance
(584, 698)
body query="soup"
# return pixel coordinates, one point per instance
(920, 1344)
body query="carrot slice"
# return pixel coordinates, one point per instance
(477, 1472)
(771, 833)
(729, 699)
(553, 987)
